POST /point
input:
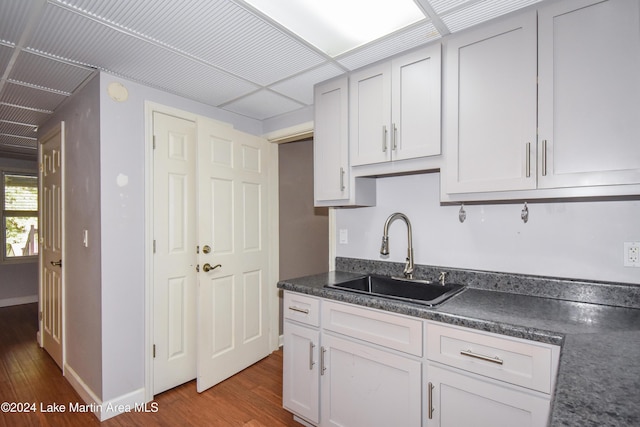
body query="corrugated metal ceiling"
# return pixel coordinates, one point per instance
(219, 52)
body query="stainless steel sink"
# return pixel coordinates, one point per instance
(416, 291)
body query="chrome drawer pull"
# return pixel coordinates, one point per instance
(311, 362)
(430, 401)
(299, 310)
(470, 353)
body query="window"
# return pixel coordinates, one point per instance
(19, 215)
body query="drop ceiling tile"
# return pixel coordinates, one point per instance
(5, 56)
(23, 115)
(441, 6)
(300, 87)
(48, 72)
(235, 39)
(18, 142)
(116, 52)
(17, 129)
(401, 41)
(13, 18)
(263, 105)
(481, 12)
(16, 94)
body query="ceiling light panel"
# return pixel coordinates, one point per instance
(481, 12)
(338, 26)
(401, 41)
(49, 73)
(13, 19)
(217, 32)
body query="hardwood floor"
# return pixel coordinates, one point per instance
(252, 398)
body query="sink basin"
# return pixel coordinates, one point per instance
(416, 291)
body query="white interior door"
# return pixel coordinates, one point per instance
(175, 258)
(233, 329)
(51, 283)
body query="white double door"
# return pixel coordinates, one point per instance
(211, 259)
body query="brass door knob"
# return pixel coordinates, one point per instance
(207, 267)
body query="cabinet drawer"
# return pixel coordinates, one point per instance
(524, 363)
(386, 329)
(302, 308)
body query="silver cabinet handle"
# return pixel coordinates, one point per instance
(544, 157)
(528, 159)
(430, 402)
(470, 353)
(384, 138)
(298, 309)
(311, 362)
(341, 178)
(322, 365)
(394, 136)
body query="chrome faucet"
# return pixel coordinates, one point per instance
(384, 249)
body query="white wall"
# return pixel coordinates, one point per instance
(582, 240)
(122, 189)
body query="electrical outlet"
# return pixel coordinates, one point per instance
(344, 236)
(632, 254)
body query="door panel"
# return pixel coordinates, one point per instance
(175, 255)
(51, 283)
(233, 330)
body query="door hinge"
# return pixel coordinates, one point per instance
(154, 246)
(154, 142)
(40, 316)
(154, 351)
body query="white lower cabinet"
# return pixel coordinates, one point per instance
(350, 366)
(365, 386)
(484, 379)
(459, 398)
(300, 373)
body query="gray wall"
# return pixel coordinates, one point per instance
(304, 230)
(82, 212)
(18, 281)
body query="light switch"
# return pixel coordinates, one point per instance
(344, 236)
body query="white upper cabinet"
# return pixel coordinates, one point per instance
(334, 184)
(331, 141)
(395, 108)
(550, 106)
(491, 107)
(589, 93)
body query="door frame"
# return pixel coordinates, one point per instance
(59, 128)
(273, 242)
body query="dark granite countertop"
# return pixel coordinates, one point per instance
(598, 380)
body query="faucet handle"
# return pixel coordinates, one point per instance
(442, 277)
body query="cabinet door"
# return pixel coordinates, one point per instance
(458, 399)
(370, 110)
(491, 110)
(300, 371)
(415, 100)
(589, 109)
(363, 386)
(331, 141)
